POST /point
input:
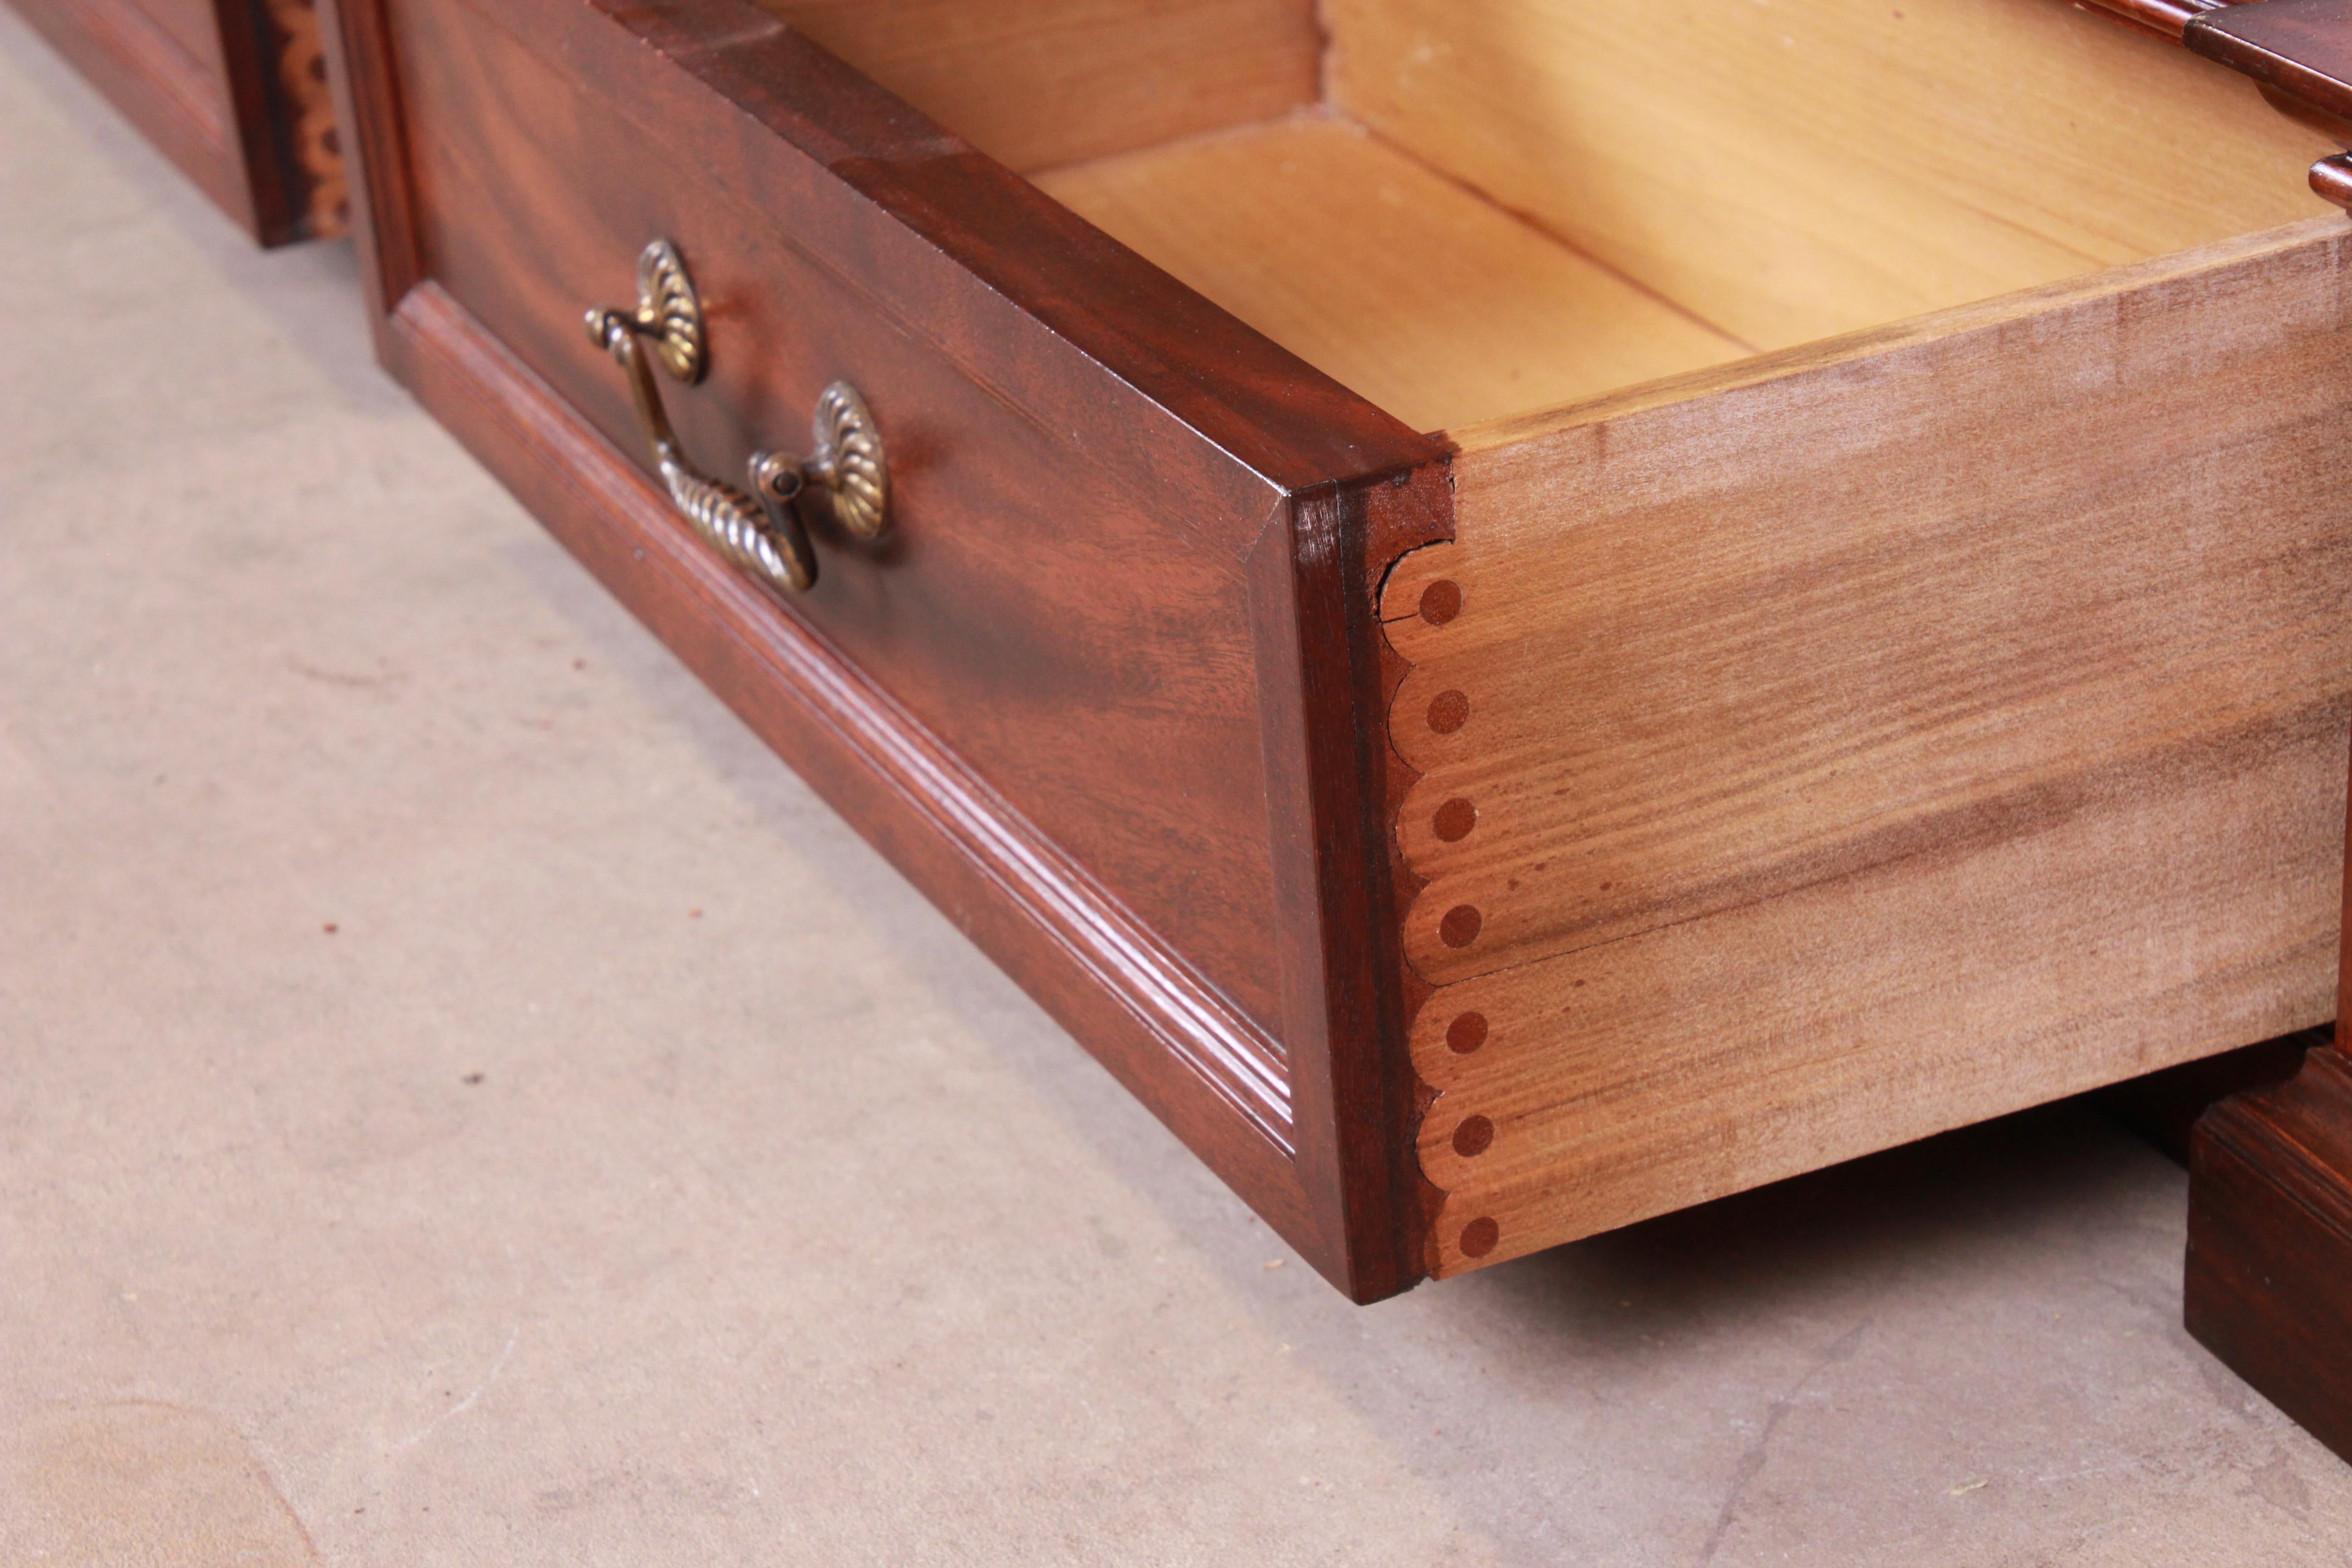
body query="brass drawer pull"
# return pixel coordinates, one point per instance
(765, 537)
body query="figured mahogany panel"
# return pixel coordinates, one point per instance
(1789, 173)
(2301, 48)
(1847, 745)
(1205, 1068)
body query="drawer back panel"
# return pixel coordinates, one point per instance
(1039, 83)
(1790, 171)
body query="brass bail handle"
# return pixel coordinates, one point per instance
(763, 537)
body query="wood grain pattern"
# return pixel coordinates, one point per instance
(2270, 1243)
(193, 25)
(1949, 716)
(1896, 700)
(1003, 634)
(1204, 1066)
(1035, 83)
(1788, 173)
(1703, 1059)
(304, 139)
(1127, 600)
(1440, 307)
(1692, 640)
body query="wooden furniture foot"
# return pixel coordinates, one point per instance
(2163, 1106)
(2269, 1285)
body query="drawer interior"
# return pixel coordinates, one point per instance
(1467, 210)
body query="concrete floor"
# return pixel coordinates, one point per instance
(462, 1103)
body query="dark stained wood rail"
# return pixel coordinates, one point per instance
(2165, 19)
(2269, 1282)
(2298, 52)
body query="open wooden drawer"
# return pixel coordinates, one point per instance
(1522, 613)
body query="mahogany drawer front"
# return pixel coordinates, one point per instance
(1037, 651)
(234, 94)
(1779, 708)
(1066, 688)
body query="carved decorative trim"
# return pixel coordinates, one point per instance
(322, 193)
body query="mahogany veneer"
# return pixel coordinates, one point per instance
(1521, 613)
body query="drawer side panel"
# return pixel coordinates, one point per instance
(1895, 734)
